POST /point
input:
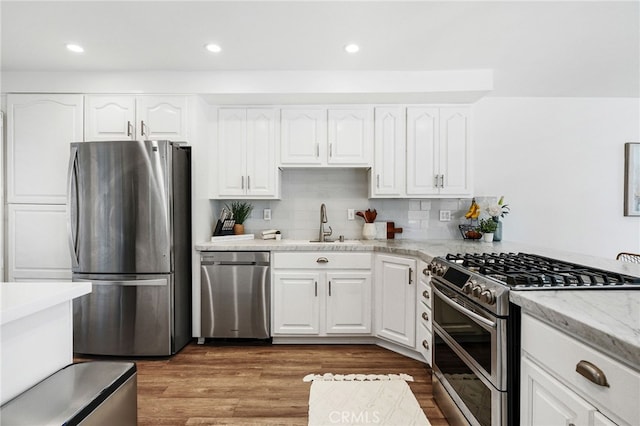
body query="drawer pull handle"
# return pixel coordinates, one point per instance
(410, 273)
(425, 294)
(425, 316)
(425, 344)
(592, 373)
(322, 260)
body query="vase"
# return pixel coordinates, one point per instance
(369, 231)
(497, 235)
(238, 229)
(487, 237)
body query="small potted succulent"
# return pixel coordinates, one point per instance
(240, 211)
(488, 227)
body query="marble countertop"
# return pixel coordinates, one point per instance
(19, 300)
(606, 320)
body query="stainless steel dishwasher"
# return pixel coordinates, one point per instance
(234, 294)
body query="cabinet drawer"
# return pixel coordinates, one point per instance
(424, 343)
(424, 292)
(559, 353)
(424, 314)
(321, 260)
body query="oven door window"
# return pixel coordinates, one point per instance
(478, 342)
(474, 393)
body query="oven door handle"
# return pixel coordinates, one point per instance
(464, 310)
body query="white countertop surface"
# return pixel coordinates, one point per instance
(18, 300)
(607, 320)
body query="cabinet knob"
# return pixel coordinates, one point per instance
(425, 316)
(425, 344)
(322, 260)
(592, 373)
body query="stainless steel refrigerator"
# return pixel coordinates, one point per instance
(130, 234)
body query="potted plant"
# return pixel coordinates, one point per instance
(488, 227)
(240, 211)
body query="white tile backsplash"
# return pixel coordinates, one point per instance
(297, 214)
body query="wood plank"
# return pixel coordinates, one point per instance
(257, 384)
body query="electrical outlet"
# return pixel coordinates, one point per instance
(266, 214)
(351, 214)
(445, 215)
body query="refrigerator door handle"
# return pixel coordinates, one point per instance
(128, 283)
(72, 208)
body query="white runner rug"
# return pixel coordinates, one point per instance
(357, 399)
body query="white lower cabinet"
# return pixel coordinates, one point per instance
(37, 243)
(395, 297)
(554, 392)
(316, 293)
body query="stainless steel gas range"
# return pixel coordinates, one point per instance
(476, 355)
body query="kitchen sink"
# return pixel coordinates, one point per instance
(315, 242)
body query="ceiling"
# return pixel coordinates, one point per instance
(538, 48)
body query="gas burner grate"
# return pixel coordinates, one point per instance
(529, 271)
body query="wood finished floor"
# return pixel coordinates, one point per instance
(224, 384)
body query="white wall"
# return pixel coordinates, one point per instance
(560, 164)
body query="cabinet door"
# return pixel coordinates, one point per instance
(109, 118)
(296, 303)
(303, 137)
(39, 131)
(396, 299)
(348, 302)
(232, 151)
(388, 174)
(454, 153)
(162, 117)
(261, 152)
(37, 243)
(422, 151)
(546, 402)
(350, 137)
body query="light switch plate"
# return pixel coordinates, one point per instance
(351, 214)
(266, 214)
(445, 215)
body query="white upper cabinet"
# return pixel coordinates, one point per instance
(110, 118)
(438, 151)
(421, 151)
(136, 117)
(303, 138)
(350, 137)
(39, 131)
(388, 172)
(326, 137)
(246, 155)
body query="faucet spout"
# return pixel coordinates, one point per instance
(322, 234)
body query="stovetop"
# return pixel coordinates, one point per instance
(523, 271)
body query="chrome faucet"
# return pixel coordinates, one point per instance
(323, 219)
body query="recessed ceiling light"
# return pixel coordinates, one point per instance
(75, 48)
(351, 48)
(214, 48)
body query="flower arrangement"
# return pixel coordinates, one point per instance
(496, 211)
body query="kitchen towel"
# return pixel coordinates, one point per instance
(359, 399)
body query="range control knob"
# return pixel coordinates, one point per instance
(478, 289)
(488, 296)
(468, 287)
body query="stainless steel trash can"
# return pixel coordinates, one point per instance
(87, 393)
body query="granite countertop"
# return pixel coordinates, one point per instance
(606, 320)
